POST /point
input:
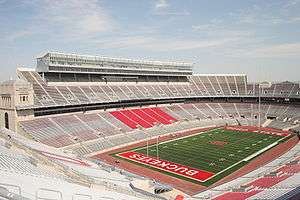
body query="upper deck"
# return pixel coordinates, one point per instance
(72, 63)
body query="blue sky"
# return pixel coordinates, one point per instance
(255, 37)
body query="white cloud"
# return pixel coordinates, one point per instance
(158, 44)
(292, 3)
(173, 13)
(178, 45)
(162, 7)
(222, 30)
(161, 4)
(18, 34)
(276, 51)
(296, 19)
(268, 51)
(68, 19)
(273, 13)
(124, 42)
(211, 25)
(74, 18)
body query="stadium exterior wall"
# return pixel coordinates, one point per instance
(15, 94)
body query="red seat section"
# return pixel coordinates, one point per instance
(236, 195)
(267, 182)
(145, 117)
(163, 114)
(120, 116)
(179, 197)
(158, 118)
(290, 169)
(136, 118)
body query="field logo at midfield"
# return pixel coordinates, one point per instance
(171, 167)
(219, 143)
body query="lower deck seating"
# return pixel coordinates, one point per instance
(279, 179)
(11, 160)
(290, 169)
(236, 195)
(45, 131)
(267, 182)
(145, 117)
(64, 130)
(123, 118)
(270, 194)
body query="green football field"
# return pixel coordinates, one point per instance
(219, 152)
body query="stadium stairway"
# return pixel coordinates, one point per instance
(291, 127)
(267, 123)
(236, 195)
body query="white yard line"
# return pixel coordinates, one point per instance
(251, 156)
(244, 159)
(167, 141)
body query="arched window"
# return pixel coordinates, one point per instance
(6, 120)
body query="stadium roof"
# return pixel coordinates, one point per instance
(111, 59)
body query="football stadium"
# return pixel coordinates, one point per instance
(93, 127)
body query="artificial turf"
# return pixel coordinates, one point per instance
(218, 151)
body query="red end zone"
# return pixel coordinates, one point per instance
(263, 130)
(171, 167)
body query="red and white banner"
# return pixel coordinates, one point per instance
(171, 167)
